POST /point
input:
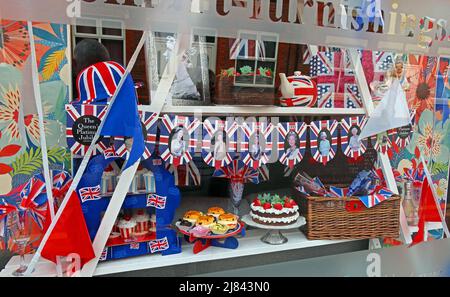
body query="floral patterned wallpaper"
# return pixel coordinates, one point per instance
(429, 95)
(20, 153)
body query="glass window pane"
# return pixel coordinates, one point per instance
(86, 30)
(265, 73)
(115, 48)
(112, 32)
(245, 71)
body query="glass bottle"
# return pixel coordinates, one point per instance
(408, 205)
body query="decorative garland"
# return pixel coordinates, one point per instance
(178, 140)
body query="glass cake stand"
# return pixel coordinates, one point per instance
(273, 235)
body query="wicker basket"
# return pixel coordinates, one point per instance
(348, 218)
(226, 93)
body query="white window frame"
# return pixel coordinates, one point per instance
(256, 59)
(99, 32)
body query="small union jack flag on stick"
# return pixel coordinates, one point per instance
(156, 201)
(90, 194)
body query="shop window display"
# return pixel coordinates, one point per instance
(324, 96)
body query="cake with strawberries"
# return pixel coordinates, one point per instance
(273, 210)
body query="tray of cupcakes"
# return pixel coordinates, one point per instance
(214, 224)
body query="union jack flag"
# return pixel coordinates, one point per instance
(291, 157)
(158, 245)
(104, 255)
(99, 82)
(247, 49)
(382, 61)
(149, 120)
(185, 175)
(169, 124)
(350, 144)
(156, 201)
(34, 201)
(336, 83)
(110, 153)
(134, 245)
(262, 133)
(237, 171)
(264, 172)
(61, 183)
(338, 192)
(210, 134)
(75, 112)
(330, 129)
(90, 194)
(376, 198)
(6, 209)
(369, 201)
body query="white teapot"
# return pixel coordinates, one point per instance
(298, 90)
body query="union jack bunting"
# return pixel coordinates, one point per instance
(256, 146)
(75, 112)
(383, 142)
(158, 245)
(218, 153)
(401, 137)
(90, 194)
(181, 125)
(292, 153)
(324, 150)
(156, 201)
(185, 175)
(336, 83)
(351, 128)
(33, 202)
(238, 172)
(149, 122)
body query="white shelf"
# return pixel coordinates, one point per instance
(248, 246)
(257, 110)
(428, 226)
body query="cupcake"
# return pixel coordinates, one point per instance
(127, 227)
(153, 223)
(205, 221)
(228, 219)
(142, 219)
(215, 211)
(219, 229)
(200, 231)
(192, 216)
